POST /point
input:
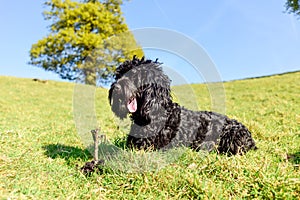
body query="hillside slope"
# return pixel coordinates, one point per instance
(41, 150)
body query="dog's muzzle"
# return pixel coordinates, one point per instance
(122, 98)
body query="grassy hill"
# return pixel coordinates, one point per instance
(41, 152)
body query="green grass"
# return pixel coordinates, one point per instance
(41, 152)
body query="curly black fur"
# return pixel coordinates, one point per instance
(143, 90)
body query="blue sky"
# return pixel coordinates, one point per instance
(242, 38)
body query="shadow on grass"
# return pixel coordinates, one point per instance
(74, 153)
(294, 158)
(67, 153)
(115, 156)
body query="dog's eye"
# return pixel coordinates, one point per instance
(117, 87)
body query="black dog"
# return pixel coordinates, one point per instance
(143, 90)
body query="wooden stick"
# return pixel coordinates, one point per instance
(96, 143)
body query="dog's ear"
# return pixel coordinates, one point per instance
(146, 103)
(153, 101)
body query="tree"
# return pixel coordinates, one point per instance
(293, 6)
(87, 40)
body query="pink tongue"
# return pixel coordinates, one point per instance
(132, 105)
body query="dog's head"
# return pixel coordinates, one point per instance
(140, 88)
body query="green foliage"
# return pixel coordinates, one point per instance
(293, 6)
(86, 41)
(41, 152)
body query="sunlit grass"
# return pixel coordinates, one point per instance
(41, 152)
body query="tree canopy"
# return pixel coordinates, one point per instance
(293, 6)
(87, 40)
